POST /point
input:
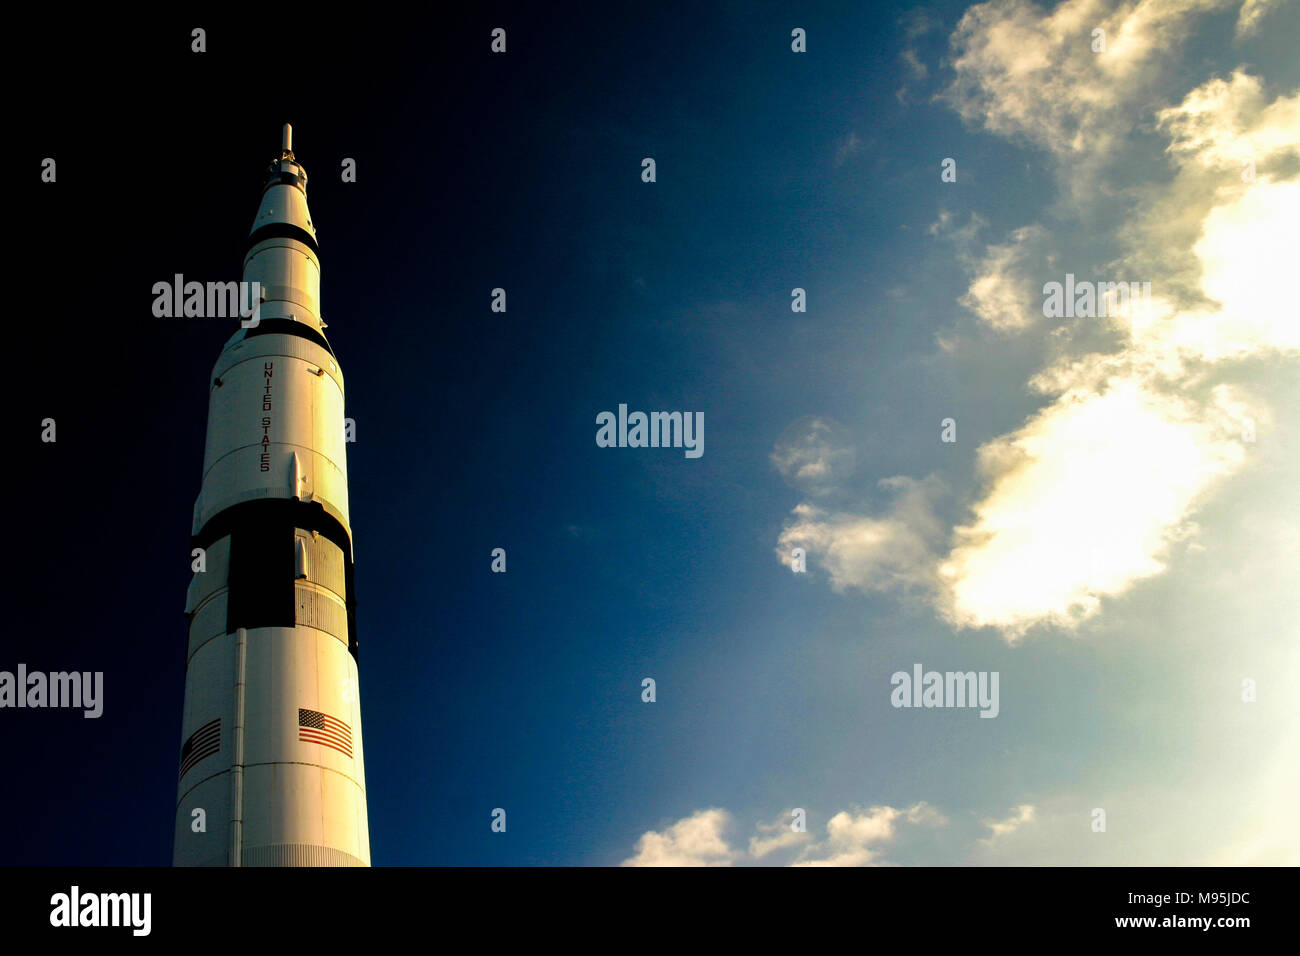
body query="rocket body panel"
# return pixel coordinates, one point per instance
(284, 203)
(271, 736)
(298, 794)
(288, 272)
(280, 395)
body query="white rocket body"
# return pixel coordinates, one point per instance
(271, 740)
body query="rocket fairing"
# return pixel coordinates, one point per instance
(271, 737)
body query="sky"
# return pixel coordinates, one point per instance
(1102, 510)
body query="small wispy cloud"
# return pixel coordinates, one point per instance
(1251, 17)
(814, 454)
(1004, 290)
(848, 147)
(896, 549)
(999, 828)
(915, 25)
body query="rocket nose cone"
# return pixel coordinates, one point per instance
(284, 200)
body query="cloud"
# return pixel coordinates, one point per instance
(1221, 133)
(775, 836)
(1084, 501)
(1004, 292)
(946, 227)
(916, 23)
(814, 454)
(1223, 122)
(999, 828)
(1251, 16)
(849, 146)
(1087, 498)
(853, 838)
(697, 840)
(914, 65)
(1025, 74)
(857, 838)
(896, 549)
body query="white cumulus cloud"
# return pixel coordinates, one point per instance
(697, 840)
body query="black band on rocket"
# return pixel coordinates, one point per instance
(283, 230)
(262, 560)
(288, 327)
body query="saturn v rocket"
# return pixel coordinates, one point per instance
(271, 764)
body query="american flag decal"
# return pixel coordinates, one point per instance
(204, 742)
(317, 728)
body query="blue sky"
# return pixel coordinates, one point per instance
(1100, 533)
